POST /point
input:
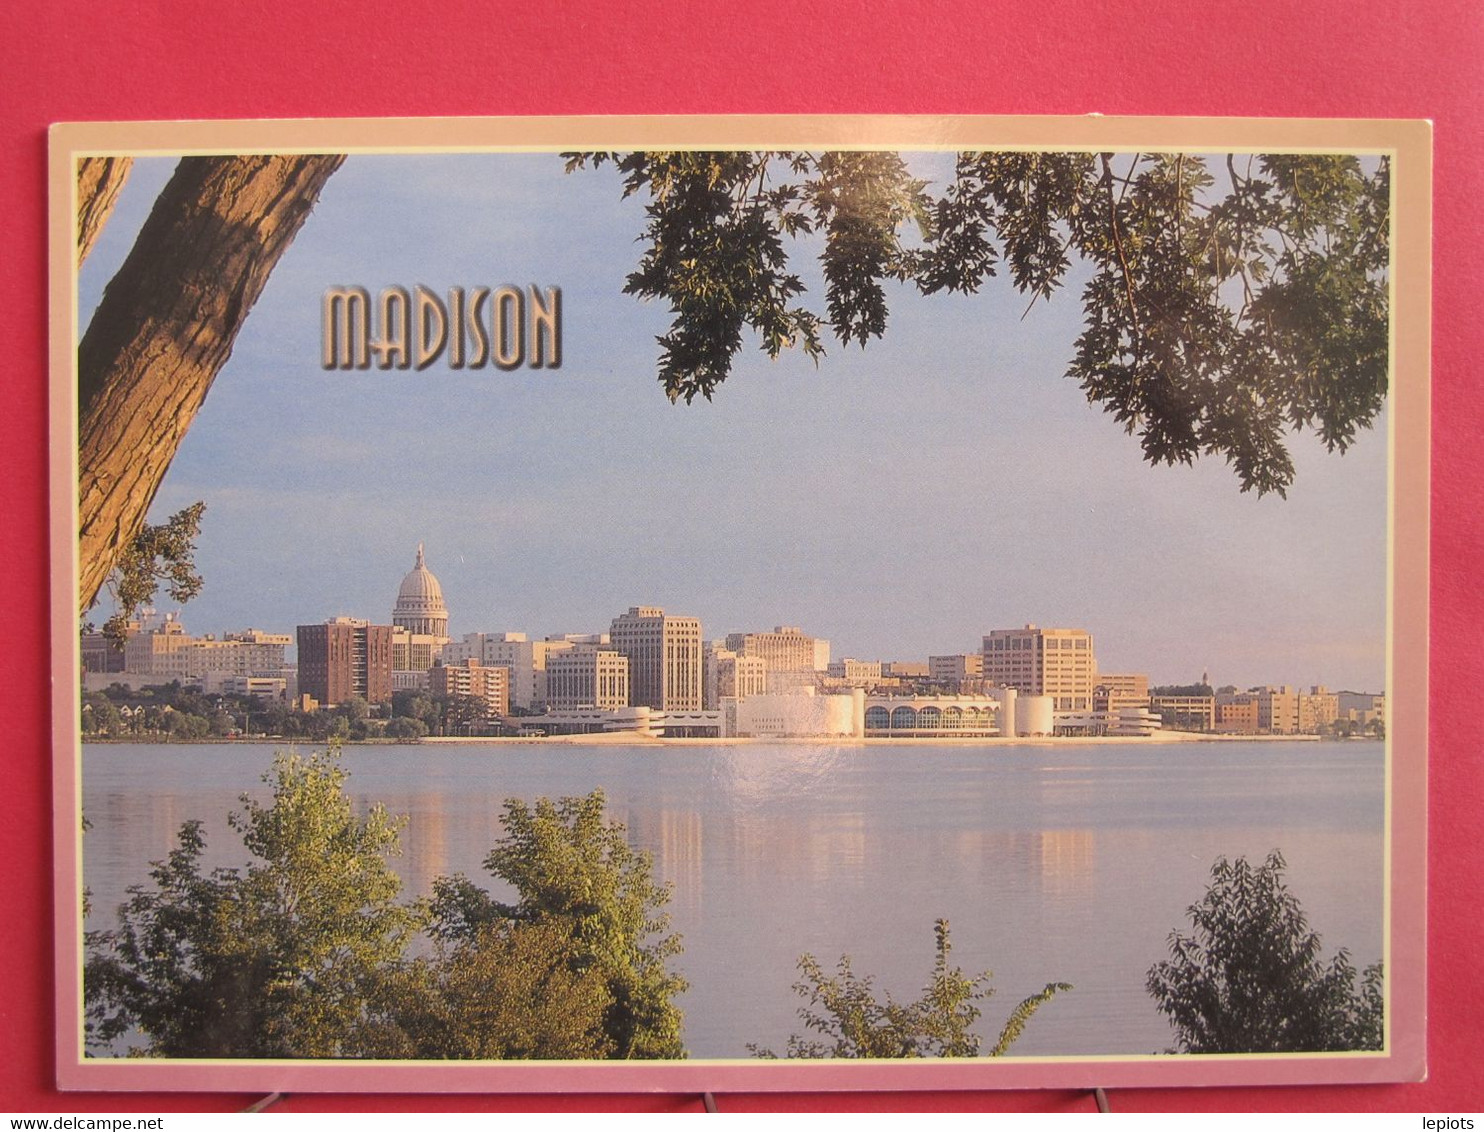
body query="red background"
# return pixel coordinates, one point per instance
(170, 59)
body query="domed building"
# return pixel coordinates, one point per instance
(419, 626)
(420, 607)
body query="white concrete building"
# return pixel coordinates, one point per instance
(929, 716)
(797, 715)
(1129, 722)
(639, 721)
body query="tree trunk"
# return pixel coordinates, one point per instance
(99, 180)
(166, 327)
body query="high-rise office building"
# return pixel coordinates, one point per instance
(665, 664)
(787, 649)
(730, 676)
(1043, 662)
(343, 658)
(587, 676)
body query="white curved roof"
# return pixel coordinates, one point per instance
(420, 592)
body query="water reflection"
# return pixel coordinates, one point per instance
(678, 848)
(1050, 863)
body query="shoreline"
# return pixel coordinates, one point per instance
(623, 739)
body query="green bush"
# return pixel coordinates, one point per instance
(843, 1009)
(308, 952)
(1249, 978)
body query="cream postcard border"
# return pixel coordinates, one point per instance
(1405, 902)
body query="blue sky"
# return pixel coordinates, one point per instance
(899, 501)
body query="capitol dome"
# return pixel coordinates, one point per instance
(420, 607)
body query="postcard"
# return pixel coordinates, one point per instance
(705, 604)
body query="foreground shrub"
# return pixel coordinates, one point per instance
(843, 1009)
(1249, 978)
(307, 952)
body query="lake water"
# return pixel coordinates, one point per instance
(1052, 863)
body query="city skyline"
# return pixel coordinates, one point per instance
(898, 501)
(180, 616)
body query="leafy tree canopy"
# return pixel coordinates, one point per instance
(844, 1010)
(1182, 690)
(274, 960)
(159, 553)
(576, 967)
(507, 990)
(574, 869)
(307, 951)
(1224, 309)
(1249, 977)
(406, 727)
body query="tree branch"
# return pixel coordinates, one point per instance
(1128, 281)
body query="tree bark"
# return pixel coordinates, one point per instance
(99, 180)
(166, 326)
